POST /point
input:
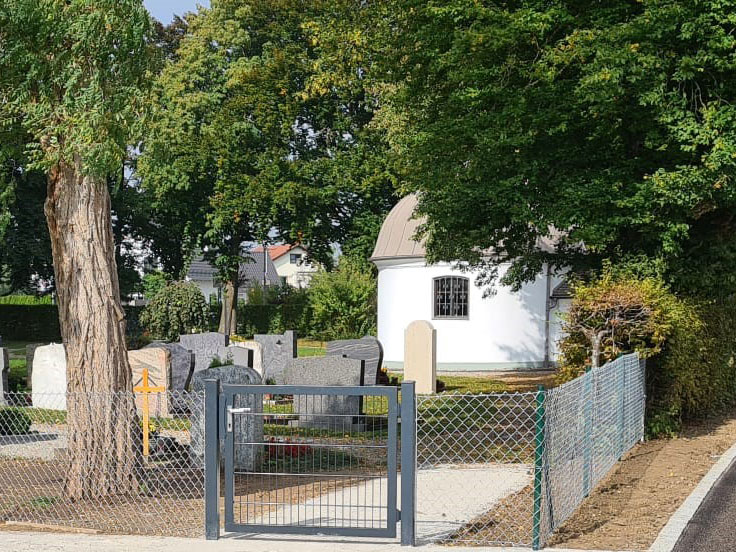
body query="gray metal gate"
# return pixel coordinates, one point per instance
(309, 459)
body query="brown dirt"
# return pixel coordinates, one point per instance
(632, 504)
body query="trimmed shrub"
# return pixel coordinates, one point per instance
(14, 421)
(177, 308)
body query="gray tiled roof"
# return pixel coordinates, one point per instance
(562, 291)
(250, 271)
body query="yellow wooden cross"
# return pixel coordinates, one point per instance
(146, 389)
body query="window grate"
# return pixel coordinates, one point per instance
(451, 297)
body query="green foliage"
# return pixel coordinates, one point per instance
(14, 421)
(695, 376)
(25, 300)
(153, 282)
(176, 309)
(217, 362)
(612, 122)
(74, 75)
(624, 313)
(343, 302)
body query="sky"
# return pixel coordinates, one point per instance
(164, 10)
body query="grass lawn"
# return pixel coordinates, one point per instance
(308, 348)
(494, 383)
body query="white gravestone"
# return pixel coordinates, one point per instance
(49, 377)
(257, 353)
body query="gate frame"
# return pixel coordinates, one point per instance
(216, 403)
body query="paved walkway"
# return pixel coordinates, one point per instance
(51, 542)
(713, 527)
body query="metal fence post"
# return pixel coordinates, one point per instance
(588, 431)
(538, 469)
(211, 460)
(408, 463)
(622, 408)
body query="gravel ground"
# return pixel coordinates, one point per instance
(40, 444)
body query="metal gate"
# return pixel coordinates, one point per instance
(308, 459)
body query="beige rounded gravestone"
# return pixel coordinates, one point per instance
(420, 356)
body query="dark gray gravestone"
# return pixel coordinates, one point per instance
(4, 369)
(205, 346)
(247, 428)
(30, 352)
(335, 412)
(182, 364)
(278, 351)
(366, 348)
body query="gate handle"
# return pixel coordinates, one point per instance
(230, 412)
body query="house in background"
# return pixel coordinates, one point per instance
(291, 263)
(252, 272)
(506, 331)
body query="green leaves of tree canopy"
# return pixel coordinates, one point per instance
(253, 135)
(177, 308)
(612, 121)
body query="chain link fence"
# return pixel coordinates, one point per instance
(501, 469)
(167, 496)
(508, 469)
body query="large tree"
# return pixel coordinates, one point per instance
(613, 122)
(257, 138)
(72, 74)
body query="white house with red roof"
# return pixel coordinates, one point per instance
(292, 263)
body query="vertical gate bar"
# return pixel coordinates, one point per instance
(588, 431)
(538, 469)
(212, 460)
(392, 464)
(408, 463)
(229, 465)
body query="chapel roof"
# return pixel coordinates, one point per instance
(396, 238)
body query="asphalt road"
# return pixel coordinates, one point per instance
(713, 527)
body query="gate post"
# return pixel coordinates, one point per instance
(211, 460)
(539, 454)
(408, 463)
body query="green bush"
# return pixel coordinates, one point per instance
(343, 302)
(177, 308)
(14, 421)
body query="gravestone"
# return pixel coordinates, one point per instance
(30, 351)
(49, 377)
(236, 355)
(335, 412)
(205, 346)
(278, 351)
(257, 360)
(366, 348)
(158, 362)
(4, 369)
(247, 428)
(182, 364)
(420, 356)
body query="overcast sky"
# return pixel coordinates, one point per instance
(164, 10)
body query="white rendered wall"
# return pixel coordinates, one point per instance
(504, 331)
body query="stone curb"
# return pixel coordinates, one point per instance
(670, 533)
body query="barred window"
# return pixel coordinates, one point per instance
(451, 297)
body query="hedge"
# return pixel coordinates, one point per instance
(40, 323)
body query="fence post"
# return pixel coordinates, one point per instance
(588, 431)
(622, 408)
(211, 460)
(538, 468)
(408, 463)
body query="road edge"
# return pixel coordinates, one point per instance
(671, 532)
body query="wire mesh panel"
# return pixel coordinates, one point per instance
(475, 458)
(311, 459)
(163, 494)
(589, 424)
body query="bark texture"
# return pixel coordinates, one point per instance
(229, 313)
(101, 415)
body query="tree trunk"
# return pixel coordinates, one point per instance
(229, 313)
(596, 339)
(102, 424)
